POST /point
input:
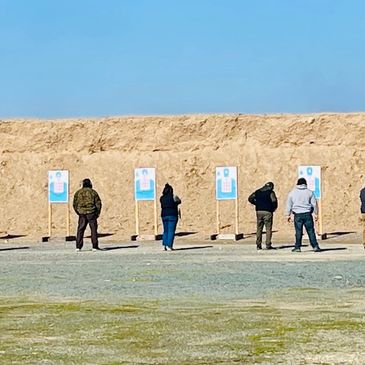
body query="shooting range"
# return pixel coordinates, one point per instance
(145, 190)
(313, 176)
(58, 193)
(226, 188)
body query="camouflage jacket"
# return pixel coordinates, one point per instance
(87, 201)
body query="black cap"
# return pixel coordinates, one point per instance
(302, 181)
(86, 183)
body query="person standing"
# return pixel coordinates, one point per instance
(87, 205)
(169, 214)
(302, 203)
(362, 209)
(266, 203)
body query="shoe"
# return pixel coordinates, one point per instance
(296, 250)
(316, 249)
(259, 247)
(164, 248)
(170, 248)
(270, 248)
(97, 249)
(78, 250)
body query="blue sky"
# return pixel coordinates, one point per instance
(128, 57)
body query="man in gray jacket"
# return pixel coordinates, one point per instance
(302, 203)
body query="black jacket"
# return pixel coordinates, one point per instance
(264, 199)
(169, 205)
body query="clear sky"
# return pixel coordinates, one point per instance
(71, 58)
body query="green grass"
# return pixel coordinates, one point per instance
(286, 326)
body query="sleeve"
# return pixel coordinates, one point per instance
(289, 205)
(75, 202)
(252, 198)
(274, 200)
(97, 203)
(314, 204)
(177, 200)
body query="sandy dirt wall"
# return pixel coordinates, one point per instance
(185, 151)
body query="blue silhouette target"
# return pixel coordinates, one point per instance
(58, 186)
(313, 176)
(226, 183)
(144, 183)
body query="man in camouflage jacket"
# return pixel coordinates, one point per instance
(87, 205)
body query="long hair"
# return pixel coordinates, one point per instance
(167, 189)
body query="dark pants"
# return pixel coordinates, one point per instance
(264, 218)
(84, 220)
(169, 227)
(306, 220)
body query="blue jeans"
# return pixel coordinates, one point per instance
(169, 227)
(306, 220)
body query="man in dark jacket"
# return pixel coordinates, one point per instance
(266, 203)
(87, 205)
(362, 199)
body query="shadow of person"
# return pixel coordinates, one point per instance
(191, 248)
(14, 248)
(110, 248)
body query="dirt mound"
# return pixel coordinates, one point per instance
(185, 151)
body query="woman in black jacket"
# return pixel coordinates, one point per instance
(169, 215)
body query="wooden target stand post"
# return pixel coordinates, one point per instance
(319, 231)
(145, 190)
(313, 175)
(58, 194)
(145, 237)
(226, 189)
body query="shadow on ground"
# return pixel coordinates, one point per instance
(110, 248)
(322, 249)
(282, 247)
(183, 234)
(253, 234)
(178, 234)
(14, 248)
(192, 248)
(11, 236)
(338, 234)
(333, 249)
(100, 235)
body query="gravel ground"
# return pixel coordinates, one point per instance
(194, 270)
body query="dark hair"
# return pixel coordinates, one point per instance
(86, 183)
(167, 189)
(302, 181)
(270, 185)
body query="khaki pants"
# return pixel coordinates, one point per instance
(264, 219)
